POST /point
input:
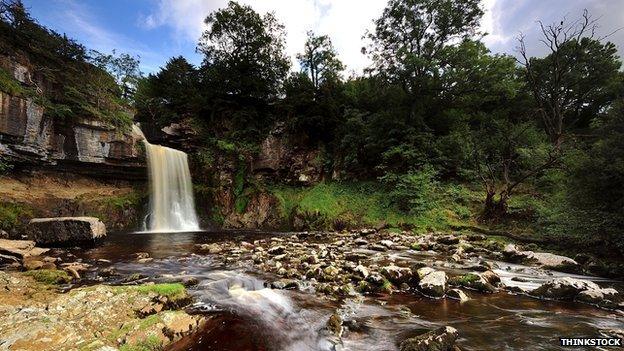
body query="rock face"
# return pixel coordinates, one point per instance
(441, 339)
(29, 136)
(291, 164)
(61, 230)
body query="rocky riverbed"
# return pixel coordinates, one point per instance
(350, 290)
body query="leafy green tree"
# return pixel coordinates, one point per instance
(244, 52)
(576, 81)
(410, 36)
(320, 59)
(124, 67)
(595, 191)
(171, 94)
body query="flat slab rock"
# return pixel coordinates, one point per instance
(20, 248)
(59, 230)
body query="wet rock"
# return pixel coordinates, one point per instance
(377, 247)
(20, 249)
(334, 324)
(511, 253)
(433, 284)
(355, 256)
(361, 271)
(565, 288)
(448, 240)
(367, 231)
(422, 272)
(360, 242)
(211, 248)
(457, 294)
(441, 339)
(3, 234)
(285, 284)
(276, 250)
(61, 230)
(555, 262)
(491, 277)
(396, 274)
(387, 243)
(141, 255)
(473, 281)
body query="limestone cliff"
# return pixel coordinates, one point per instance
(30, 137)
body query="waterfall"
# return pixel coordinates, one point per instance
(172, 208)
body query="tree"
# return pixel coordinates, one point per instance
(124, 68)
(411, 34)
(576, 81)
(595, 191)
(171, 94)
(320, 59)
(244, 52)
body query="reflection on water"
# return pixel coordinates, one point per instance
(244, 315)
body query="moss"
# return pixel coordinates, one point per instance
(170, 290)
(49, 276)
(386, 286)
(416, 247)
(149, 321)
(151, 343)
(465, 280)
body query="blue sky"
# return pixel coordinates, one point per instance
(156, 30)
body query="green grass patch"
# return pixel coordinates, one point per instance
(170, 290)
(11, 215)
(49, 276)
(367, 204)
(151, 343)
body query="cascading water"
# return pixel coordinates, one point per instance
(172, 208)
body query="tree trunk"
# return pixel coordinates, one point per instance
(494, 210)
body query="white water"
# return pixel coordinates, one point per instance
(172, 208)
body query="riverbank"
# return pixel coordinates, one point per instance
(309, 290)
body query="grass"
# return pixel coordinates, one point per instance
(364, 203)
(12, 213)
(151, 343)
(49, 276)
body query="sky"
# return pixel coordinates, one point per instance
(156, 30)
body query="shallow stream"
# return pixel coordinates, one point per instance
(248, 316)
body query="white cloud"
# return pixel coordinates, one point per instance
(345, 21)
(78, 21)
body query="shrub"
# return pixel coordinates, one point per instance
(412, 192)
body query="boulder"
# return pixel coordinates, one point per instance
(441, 339)
(555, 262)
(565, 288)
(474, 281)
(433, 284)
(396, 274)
(511, 253)
(422, 272)
(60, 230)
(457, 294)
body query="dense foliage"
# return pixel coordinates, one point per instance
(435, 108)
(68, 80)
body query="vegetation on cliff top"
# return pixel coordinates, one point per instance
(67, 79)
